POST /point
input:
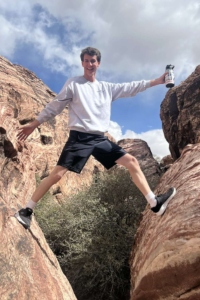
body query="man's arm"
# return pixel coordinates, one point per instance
(52, 109)
(157, 81)
(130, 89)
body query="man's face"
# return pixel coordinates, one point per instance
(90, 65)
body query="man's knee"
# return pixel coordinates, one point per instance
(129, 161)
(133, 164)
(57, 173)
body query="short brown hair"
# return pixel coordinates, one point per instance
(91, 51)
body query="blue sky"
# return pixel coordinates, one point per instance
(137, 40)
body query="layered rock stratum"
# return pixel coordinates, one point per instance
(165, 261)
(29, 269)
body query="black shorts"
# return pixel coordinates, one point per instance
(81, 145)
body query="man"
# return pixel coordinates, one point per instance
(89, 104)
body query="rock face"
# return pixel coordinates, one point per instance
(166, 162)
(29, 269)
(180, 111)
(165, 261)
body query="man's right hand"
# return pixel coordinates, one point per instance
(25, 131)
(159, 80)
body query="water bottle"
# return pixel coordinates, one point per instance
(169, 77)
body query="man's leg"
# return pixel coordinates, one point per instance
(131, 163)
(158, 204)
(47, 183)
(24, 215)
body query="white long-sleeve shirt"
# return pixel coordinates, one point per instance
(89, 103)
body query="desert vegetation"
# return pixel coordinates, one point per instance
(92, 234)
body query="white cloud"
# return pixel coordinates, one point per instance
(7, 37)
(18, 28)
(137, 38)
(154, 138)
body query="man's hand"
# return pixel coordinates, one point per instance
(26, 130)
(159, 80)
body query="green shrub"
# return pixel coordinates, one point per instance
(92, 235)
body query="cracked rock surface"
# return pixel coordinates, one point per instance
(165, 260)
(29, 269)
(180, 111)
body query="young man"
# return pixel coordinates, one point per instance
(89, 103)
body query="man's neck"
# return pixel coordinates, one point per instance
(90, 78)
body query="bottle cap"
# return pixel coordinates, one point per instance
(169, 67)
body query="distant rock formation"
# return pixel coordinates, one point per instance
(180, 111)
(166, 162)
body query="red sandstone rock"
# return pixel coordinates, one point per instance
(29, 269)
(180, 111)
(165, 261)
(166, 162)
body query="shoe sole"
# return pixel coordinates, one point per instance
(17, 216)
(164, 206)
